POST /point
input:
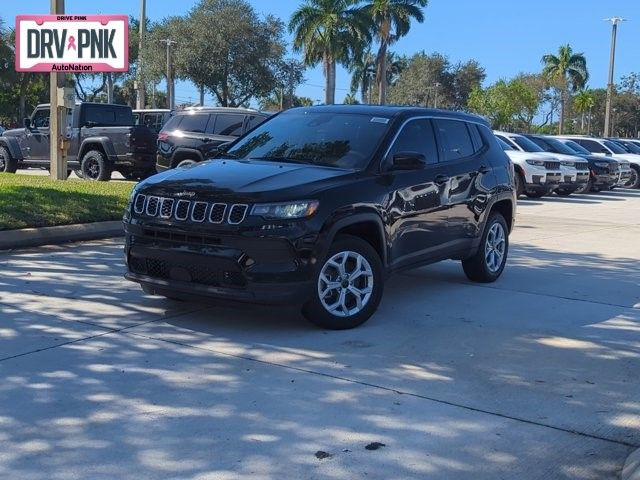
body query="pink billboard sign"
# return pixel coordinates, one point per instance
(72, 43)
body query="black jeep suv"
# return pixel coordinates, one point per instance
(194, 134)
(319, 205)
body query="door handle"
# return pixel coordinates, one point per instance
(484, 170)
(440, 179)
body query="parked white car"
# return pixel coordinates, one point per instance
(607, 148)
(575, 171)
(536, 175)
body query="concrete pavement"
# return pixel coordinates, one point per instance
(533, 377)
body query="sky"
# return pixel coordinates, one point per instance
(506, 36)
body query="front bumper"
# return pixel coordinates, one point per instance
(267, 270)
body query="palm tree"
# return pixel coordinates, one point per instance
(363, 75)
(584, 101)
(395, 65)
(329, 31)
(391, 20)
(568, 68)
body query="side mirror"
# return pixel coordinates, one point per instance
(90, 124)
(27, 122)
(408, 161)
(606, 152)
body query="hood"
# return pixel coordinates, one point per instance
(629, 157)
(14, 132)
(518, 156)
(245, 179)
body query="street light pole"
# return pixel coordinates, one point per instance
(140, 100)
(171, 100)
(612, 58)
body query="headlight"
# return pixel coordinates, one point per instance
(286, 210)
(601, 164)
(537, 163)
(129, 208)
(566, 163)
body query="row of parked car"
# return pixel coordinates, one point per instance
(568, 164)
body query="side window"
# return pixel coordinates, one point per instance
(456, 139)
(476, 137)
(507, 141)
(173, 123)
(592, 146)
(41, 119)
(417, 136)
(254, 121)
(229, 125)
(196, 123)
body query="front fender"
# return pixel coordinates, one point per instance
(13, 146)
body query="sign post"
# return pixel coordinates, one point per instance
(60, 44)
(57, 158)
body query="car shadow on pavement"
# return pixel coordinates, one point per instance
(444, 367)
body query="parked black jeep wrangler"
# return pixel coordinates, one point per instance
(319, 205)
(103, 139)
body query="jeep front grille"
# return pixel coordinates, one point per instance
(195, 211)
(552, 165)
(582, 166)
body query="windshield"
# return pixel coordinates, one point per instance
(526, 144)
(343, 140)
(505, 146)
(556, 146)
(614, 147)
(632, 147)
(576, 147)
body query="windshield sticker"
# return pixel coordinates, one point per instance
(380, 120)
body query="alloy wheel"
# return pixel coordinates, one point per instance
(632, 183)
(345, 284)
(92, 169)
(495, 247)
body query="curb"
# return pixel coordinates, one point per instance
(631, 469)
(35, 237)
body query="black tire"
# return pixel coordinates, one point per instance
(536, 194)
(186, 163)
(586, 189)
(561, 192)
(634, 181)
(78, 172)
(95, 167)
(520, 184)
(7, 163)
(315, 311)
(477, 267)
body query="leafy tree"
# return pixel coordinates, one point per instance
(427, 80)
(509, 104)
(391, 21)
(290, 74)
(570, 69)
(329, 32)
(225, 47)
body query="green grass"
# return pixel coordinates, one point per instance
(34, 201)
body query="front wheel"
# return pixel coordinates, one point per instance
(348, 285)
(634, 180)
(520, 184)
(489, 261)
(7, 163)
(536, 194)
(586, 188)
(561, 192)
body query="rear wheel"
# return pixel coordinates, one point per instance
(7, 164)
(95, 167)
(488, 263)
(348, 285)
(186, 163)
